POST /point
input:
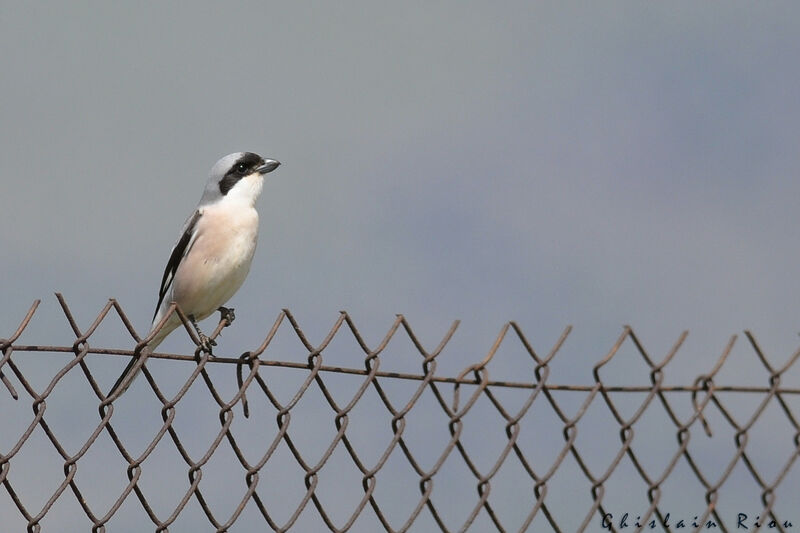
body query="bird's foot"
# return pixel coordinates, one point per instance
(226, 314)
(205, 341)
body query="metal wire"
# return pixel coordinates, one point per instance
(474, 381)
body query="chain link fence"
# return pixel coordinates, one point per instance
(262, 442)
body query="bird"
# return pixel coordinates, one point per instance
(212, 257)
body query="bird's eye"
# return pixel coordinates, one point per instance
(241, 167)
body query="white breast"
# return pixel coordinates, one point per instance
(219, 259)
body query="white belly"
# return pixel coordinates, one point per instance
(218, 261)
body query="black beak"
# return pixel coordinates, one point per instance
(268, 166)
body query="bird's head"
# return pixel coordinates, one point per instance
(238, 176)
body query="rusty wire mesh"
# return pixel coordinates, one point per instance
(116, 470)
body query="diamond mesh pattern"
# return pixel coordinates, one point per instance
(364, 449)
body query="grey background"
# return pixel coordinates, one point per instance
(588, 164)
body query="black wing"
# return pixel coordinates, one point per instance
(178, 252)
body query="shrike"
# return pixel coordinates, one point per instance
(210, 261)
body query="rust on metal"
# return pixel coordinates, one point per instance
(455, 396)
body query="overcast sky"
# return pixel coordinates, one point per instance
(591, 164)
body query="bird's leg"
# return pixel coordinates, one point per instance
(205, 342)
(227, 315)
